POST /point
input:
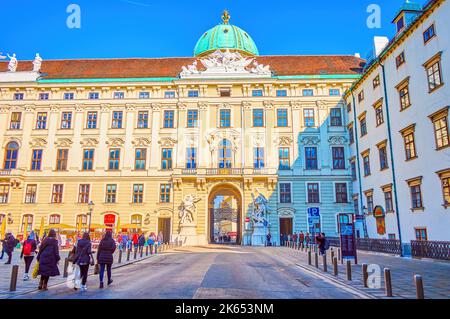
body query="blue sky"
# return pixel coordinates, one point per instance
(156, 28)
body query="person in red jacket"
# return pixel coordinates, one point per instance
(135, 240)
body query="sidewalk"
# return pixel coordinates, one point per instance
(435, 274)
(32, 284)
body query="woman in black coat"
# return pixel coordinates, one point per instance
(105, 257)
(83, 258)
(48, 258)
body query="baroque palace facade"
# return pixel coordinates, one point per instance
(136, 137)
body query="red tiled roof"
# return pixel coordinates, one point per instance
(171, 67)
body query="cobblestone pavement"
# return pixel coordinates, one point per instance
(209, 272)
(31, 285)
(435, 274)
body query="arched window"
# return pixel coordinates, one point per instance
(136, 219)
(11, 152)
(225, 154)
(27, 219)
(55, 219)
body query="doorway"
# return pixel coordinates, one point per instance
(286, 226)
(225, 216)
(164, 226)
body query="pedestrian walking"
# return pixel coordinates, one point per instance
(9, 244)
(83, 258)
(307, 240)
(294, 237)
(48, 258)
(28, 250)
(135, 240)
(268, 238)
(323, 243)
(141, 243)
(105, 258)
(150, 243)
(301, 238)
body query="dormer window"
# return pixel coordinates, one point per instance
(400, 24)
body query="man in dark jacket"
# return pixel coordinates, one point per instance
(48, 258)
(141, 243)
(105, 258)
(9, 244)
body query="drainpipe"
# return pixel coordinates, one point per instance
(394, 183)
(355, 126)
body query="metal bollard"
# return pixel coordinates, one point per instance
(387, 282)
(339, 255)
(135, 253)
(128, 254)
(14, 273)
(419, 287)
(309, 258)
(142, 251)
(325, 267)
(120, 257)
(349, 270)
(146, 250)
(66, 266)
(365, 275)
(331, 255)
(316, 260)
(335, 266)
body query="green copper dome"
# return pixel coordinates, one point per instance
(225, 36)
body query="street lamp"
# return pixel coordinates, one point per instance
(91, 208)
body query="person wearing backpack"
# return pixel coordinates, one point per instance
(28, 249)
(10, 243)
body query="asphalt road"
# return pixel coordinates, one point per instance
(207, 272)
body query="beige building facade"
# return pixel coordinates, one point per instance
(136, 136)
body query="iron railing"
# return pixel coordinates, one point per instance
(430, 249)
(224, 171)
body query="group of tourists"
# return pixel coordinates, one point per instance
(81, 256)
(305, 240)
(139, 241)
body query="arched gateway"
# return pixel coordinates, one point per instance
(225, 215)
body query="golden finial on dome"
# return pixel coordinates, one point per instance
(226, 16)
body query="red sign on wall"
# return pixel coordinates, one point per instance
(109, 219)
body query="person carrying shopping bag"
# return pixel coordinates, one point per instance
(84, 259)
